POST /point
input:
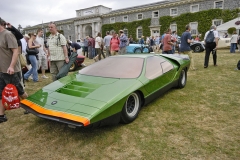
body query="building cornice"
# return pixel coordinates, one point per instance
(153, 6)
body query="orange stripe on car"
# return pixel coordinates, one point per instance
(41, 110)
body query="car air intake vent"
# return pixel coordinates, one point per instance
(78, 89)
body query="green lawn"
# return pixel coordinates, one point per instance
(200, 121)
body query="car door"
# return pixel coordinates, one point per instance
(157, 72)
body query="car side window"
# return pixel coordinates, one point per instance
(153, 67)
(166, 66)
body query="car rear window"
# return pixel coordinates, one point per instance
(115, 67)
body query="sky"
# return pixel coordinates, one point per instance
(33, 12)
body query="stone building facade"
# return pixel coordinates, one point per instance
(89, 21)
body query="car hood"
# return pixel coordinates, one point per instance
(78, 97)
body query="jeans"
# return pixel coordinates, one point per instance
(233, 47)
(173, 49)
(33, 70)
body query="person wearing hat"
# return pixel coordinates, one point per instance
(123, 42)
(24, 41)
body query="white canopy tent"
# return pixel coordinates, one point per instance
(224, 27)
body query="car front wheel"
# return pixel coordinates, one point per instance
(131, 108)
(138, 50)
(182, 79)
(73, 67)
(197, 48)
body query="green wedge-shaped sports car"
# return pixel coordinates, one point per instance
(109, 91)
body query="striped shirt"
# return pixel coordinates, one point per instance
(55, 43)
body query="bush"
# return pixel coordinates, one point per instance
(231, 30)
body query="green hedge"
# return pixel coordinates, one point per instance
(204, 19)
(131, 26)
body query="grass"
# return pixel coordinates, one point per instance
(200, 121)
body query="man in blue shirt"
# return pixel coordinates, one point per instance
(123, 43)
(185, 45)
(106, 42)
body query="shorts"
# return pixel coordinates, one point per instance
(14, 79)
(43, 62)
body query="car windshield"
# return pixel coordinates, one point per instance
(115, 67)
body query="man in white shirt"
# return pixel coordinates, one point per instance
(42, 55)
(98, 44)
(211, 46)
(24, 42)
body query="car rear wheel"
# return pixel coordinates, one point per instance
(182, 79)
(138, 50)
(197, 48)
(73, 67)
(131, 108)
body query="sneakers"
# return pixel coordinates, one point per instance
(44, 77)
(3, 119)
(31, 77)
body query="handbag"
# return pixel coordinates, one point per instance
(22, 60)
(32, 51)
(10, 97)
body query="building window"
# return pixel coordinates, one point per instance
(69, 27)
(139, 32)
(125, 31)
(125, 18)
(173, 11)
(155, 14)
(218, 4)
(139, 16)
(217, 22)
(173, 27)
(194, 28)
(60, 27)
(194, 8)
(112, 20)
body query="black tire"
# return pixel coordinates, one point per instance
(137, 50)
(131, 108)
(182, 79)
(73, 67)
(197, 48)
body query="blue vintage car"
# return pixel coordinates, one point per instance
(138, 48)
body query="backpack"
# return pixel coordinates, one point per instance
(58, 39)
(10, 98)
(210, 37)
(238, 65)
